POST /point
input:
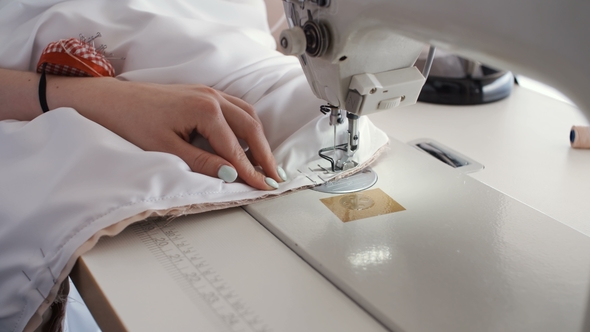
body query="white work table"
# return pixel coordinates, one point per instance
(522, 142)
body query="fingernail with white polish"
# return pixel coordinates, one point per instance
(227, 173)
(282, 173)
(272, 183)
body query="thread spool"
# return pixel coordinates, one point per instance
(580, 137)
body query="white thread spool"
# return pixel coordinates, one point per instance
(580, 137)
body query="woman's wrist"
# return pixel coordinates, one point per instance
(76, 92)
(19, 96)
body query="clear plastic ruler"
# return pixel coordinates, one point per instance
(195, 276)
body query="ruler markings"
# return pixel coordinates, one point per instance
(195, 276)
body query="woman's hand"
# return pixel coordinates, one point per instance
(162, 118)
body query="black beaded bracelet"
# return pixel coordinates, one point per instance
(42, 89)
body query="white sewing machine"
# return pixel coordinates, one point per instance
(358, 56)
(468, 253)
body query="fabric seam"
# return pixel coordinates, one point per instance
(153, 199)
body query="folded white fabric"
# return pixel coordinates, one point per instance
(66, 180)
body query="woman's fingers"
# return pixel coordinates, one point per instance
(162, 117)
(243, 105)
(250, 130)
(203, 162)
(213, 165)
(213, 125)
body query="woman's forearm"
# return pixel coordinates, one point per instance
(155, 117)
(19, 95)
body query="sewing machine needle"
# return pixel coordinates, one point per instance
(334, 140)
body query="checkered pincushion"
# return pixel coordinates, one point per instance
(73, 57)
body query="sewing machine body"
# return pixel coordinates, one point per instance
(453, 259)
(544, 40)
(359, 56)
(353, 43)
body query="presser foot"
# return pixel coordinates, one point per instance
(338, 165)
(340, 159)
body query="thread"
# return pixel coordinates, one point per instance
(580, 137)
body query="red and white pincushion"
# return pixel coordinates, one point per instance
(74, 57)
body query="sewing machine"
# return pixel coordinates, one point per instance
(505, 248)
(359, 56)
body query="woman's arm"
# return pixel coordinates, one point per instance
(18, 95)
(155, 117)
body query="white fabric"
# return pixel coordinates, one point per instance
(66, 180)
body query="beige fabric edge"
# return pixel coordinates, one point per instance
(173, 213)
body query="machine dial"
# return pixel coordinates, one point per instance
(293, 41)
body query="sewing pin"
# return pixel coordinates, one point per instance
(91, 39)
